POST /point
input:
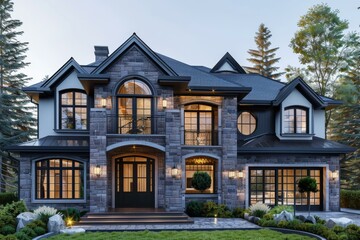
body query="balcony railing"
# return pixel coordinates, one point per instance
(202, 138)
(127, 124)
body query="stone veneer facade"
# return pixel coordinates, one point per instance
(167, 147)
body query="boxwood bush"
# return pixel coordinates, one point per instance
(350, 199)
(7, 197)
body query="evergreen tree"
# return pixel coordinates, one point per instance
(345, 124)
(263, 58)
(16, 119)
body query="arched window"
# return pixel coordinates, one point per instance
(246, 123)
(59, 179)
(296, 120)
(134, 108)
(73, 110)
(200, 124)
(200, 164)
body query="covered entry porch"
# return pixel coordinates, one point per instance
(132, 177)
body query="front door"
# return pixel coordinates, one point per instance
(134, 182)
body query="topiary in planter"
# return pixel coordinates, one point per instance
(201, 181)
(307, 185)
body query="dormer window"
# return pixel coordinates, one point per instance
(73, 110)
(296, 120)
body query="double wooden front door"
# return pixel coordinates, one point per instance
(134, 182)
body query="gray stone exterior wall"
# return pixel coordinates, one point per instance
(229, 147)
(98, 184)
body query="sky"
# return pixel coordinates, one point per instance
(197, 32)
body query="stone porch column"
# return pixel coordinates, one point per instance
(173, 189)
(98, 184)
(229, 147)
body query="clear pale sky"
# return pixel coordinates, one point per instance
(197, 32)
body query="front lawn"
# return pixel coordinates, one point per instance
(184, 235)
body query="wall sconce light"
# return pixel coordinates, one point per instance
(334, 174)
(164, 103)
(175, 172)
(240, 174)
(103, 102)
(97, 170)
(232, 174)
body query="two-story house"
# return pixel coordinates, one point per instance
(130, 129)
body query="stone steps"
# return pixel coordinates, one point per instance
(127, 218)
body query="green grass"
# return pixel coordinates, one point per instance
(262, 234)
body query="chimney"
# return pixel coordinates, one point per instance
(101, 52)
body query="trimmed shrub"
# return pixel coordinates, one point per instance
(13, 209)
(194, 208)
(201, 181)
(37, 223)
(7, 229)
(8, 237)
(22, 236)
(28, 231)
(8, 197)
(350, 199)
(39, 231)
(238, 212)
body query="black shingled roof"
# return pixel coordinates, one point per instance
(53, 144)
(272, 144)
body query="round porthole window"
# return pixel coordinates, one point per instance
(246, 123)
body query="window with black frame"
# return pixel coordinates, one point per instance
(59, 179)
(278, 186)
(296, 120)
(73, 110)
(200, 124)
(134, 108)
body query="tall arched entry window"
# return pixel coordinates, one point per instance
(135, 103)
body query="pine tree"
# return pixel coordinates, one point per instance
(264, 57)
(16, 119)
(345, 124)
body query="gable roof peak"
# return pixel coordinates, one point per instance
(134, 39)
(227, 64)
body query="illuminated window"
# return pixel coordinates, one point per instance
(73, 110)
(59, 179)
(200, 164)
(246, 123)
(200, 124)
(278, 186)
(295, 120)
(134, 108)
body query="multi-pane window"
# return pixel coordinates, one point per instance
(59, 179)
(295, 120)
(73, 110)
(200, 164)
(246, 123)
(200, 124)
(278, 186)
(134, 108)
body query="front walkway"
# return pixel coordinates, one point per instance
(199, 224)
(217, 223)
